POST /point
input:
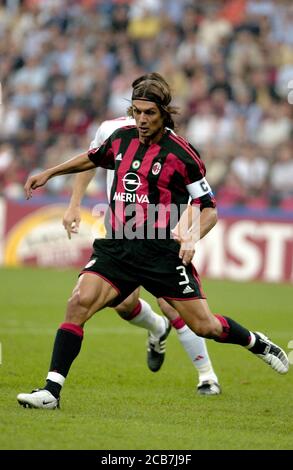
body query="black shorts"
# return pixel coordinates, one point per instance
(153, 264)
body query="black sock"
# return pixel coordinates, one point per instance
(259, 345)
(66, 347)
(53, 387)
(232, 332)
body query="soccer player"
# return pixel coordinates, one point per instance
(155, 174)
(136, 310)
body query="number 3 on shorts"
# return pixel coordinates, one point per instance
(182, 272)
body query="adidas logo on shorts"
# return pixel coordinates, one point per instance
(187, 290)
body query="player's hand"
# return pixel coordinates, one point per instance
(187, 246)
(71, 220)
(34, 182)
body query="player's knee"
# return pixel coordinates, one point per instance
(80, 300)
(122, 312)
(125, 310)
(206, 329)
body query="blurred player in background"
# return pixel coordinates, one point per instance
(153, 167)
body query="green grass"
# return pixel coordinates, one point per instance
(112, 401)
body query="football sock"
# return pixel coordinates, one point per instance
(196, 349)
(53, 387)
(233, 332)
(66, 347)
(144, 317)
(256, 345)
(237, 334)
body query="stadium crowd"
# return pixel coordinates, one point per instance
(67, 65)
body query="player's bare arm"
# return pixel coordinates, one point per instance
(192, 226)
(74, 165)
(208, 219)
(71, 218)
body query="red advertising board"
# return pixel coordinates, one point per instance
(244, 249)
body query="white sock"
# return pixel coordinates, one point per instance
(252, 340)
(196, 349)
(149, 320)
(55, 377)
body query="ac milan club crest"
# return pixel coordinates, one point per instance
(156, 168)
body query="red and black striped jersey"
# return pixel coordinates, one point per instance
(152, 183)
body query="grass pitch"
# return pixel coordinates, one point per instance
(112, 401)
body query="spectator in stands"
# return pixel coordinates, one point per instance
(281, 177)
(70, 62)
(251, 169)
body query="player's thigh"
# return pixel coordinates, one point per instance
(108, 262)
(90, 295)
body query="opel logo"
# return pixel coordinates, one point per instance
(131, 182)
